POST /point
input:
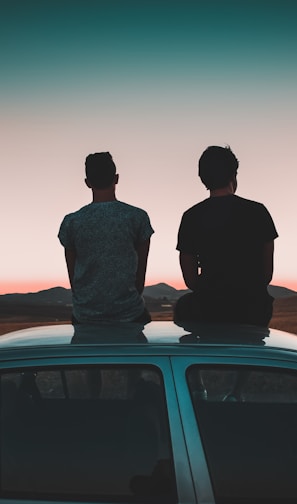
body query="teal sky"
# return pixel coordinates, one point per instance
(49, 46)
(154, 82)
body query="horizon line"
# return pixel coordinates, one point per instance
(35, 287)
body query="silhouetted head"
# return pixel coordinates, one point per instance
(217, 167)
(100, 170)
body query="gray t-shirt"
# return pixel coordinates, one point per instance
(105, 236)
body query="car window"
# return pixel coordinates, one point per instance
(83, 433)
(247, 418)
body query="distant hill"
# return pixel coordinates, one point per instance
(56, 295)
(280, 292)
(162, 290)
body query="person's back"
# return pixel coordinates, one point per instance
(106, 247)
(232, 240)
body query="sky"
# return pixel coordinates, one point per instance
(154, 83)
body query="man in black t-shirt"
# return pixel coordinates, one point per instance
(226, 246)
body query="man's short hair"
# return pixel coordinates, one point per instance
(217, 167)
(100, 170)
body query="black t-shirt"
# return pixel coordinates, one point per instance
(227, 233)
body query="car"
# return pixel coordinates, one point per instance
(161, 413)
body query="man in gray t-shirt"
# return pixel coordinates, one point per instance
(106, 248)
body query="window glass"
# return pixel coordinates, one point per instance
(86, 433)
(247, 418)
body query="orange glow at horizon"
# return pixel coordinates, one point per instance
(289, 284)
(24, 287)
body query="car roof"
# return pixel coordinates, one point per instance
(156, 334)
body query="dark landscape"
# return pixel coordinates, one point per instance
(53, 306)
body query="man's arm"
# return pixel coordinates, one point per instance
(70, 256)
(142, 253)
(189, 267)
(268, 252)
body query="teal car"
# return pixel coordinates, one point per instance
(161, 413)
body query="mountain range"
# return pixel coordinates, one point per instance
(161, 291)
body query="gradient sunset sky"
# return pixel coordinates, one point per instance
(153, 82)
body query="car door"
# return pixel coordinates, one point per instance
(241, 433)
